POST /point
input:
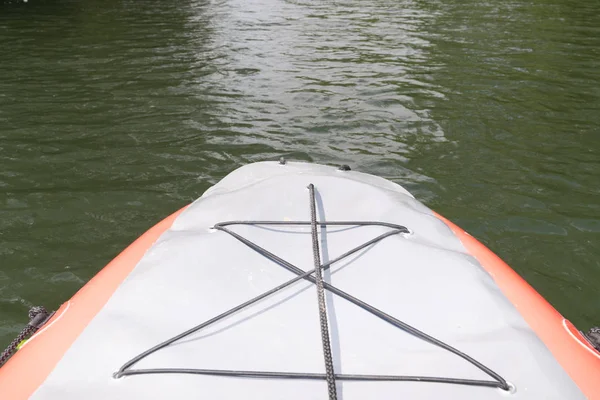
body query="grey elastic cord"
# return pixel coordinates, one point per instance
(38, 316)
(124, 370)
(497, 382)
(329, 372)
(500, 382)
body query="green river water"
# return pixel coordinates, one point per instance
(115, 113)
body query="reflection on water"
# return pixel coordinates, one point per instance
(293, 78)
(114, 113)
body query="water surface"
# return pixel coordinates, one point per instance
(115, 113)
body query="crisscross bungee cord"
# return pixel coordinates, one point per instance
(330, 376)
